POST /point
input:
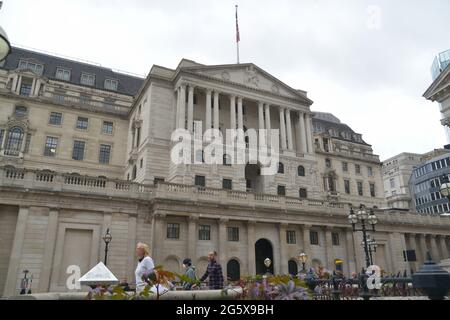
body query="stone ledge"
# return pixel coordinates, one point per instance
(170, 295)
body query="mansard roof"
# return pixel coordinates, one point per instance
(127, 84)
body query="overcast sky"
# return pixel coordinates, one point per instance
(367, 62)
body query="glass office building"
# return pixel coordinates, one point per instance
(441, 61)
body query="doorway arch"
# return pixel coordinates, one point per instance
(263, 250)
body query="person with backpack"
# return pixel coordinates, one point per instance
(190, 273)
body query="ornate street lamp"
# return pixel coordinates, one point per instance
(107, 238)
(267, 263)
(365, 219)
(5, 46)
(303, 257)
(445, 186)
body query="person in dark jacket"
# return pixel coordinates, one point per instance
(190, 273)
(214, 272)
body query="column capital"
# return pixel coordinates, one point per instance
(306, 226)
(191, 87)
(208, 91)
(329, 228)
(193, 218)
(251, 223)
(283, 224)
(223, 220)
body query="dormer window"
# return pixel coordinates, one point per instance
(62, 74)
(87, 79)
(111, 84)
(35, 67)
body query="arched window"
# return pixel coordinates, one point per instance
(280, 167)
(134, 174)
(301, 171)
(226, 160)
(14, 141)
(303, 193)
(233, 270)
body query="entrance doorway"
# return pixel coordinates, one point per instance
(263, 250)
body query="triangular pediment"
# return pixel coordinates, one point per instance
(251, 76)
(442, 82)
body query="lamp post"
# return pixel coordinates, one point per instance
(445, 186)
(107, 238)
(267, 263)
(365, 219)
(5, 46)
(372, 246)
(303, 257)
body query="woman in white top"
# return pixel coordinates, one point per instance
(144, 267)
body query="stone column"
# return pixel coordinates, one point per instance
(216, 110)
(192, 238)
(302, 133)
(268, 125)
(208, 110)
(283, 254)
(350, 252)
(232, 112)
(261, 115)
(309, 133)
(223, 246)
(19, 84)
(240, 117)
(307, 245)
(132, 241)
(50, 240)
(157, 237)
(289, 130)
(177, 116)
(16, 253)
(329, 248)
(182, 119)
(190, 117)
(282, 130)
(411, 245)
(251, 267)
(423, 248)
(434, 249)
(444, 249)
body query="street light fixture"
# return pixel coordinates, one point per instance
(5, 46)
(107, 238)
(267, 263)
(365, 219)
(445, 186)
(303, 257)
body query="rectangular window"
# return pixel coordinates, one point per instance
(87, 79)
(372, 190)
(25, 87)
(369, 171)
(335, 238)
(200, 181)
(78, 150)
(314, 238)
(227, 184)
(357, 169)
(111, 84)
(55, 118)
(204, 232)
(62, 74)
(360, 188)
(107, 127)
(173, 231)
(105, 153)
(345, 166)
(50, 146)
(82, 123)
(27, 143)
(303, 193)
(290, 237)
(328, 163)
(347, 186)
(281, 190)
(233, 234)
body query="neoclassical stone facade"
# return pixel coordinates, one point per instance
(85, 149)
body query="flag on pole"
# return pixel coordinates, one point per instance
(238, 38)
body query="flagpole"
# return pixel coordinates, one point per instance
(237, 35)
